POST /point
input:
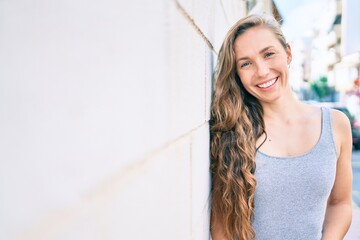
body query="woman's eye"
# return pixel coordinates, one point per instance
(245, 64)
(269, 54)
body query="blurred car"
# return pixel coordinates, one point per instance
(355, 127)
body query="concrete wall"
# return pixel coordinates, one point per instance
(104, 109)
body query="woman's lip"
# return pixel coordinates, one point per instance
(267, 83)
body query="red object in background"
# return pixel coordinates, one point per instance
(357, 82)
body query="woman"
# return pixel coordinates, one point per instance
(281, 169)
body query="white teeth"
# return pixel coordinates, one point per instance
(267, 84)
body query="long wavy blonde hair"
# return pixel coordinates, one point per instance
(236, 123)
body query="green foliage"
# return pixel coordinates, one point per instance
(320, 88)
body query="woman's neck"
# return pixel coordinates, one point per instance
(284, 109)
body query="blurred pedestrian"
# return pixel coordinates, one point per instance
(281, 169)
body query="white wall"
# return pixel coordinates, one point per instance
(104, 109)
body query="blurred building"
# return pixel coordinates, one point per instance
(310, 62)
(344, 53)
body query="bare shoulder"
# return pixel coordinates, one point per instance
(339, 119)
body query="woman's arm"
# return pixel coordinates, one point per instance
(339, 207)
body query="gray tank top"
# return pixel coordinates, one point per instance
(292, 192)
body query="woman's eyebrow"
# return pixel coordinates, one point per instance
(261, 51)
(265, 49)
(242, 58)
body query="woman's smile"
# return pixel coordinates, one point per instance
(268, 84)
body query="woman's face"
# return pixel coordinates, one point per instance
(262, 63)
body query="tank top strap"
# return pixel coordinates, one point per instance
(326, 130)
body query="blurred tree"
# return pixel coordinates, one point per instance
(320, 88)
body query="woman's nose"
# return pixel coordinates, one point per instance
(262, 69)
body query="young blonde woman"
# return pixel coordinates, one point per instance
(281, 169)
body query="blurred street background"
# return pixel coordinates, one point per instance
(354, 231)
(356, 175)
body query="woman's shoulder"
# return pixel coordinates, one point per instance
(341, 128)
(339, 119)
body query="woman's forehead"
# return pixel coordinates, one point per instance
(256, 38)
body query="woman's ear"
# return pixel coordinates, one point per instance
(288, 53)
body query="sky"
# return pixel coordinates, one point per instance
(301, 15)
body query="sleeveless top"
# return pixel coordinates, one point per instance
(292, 192)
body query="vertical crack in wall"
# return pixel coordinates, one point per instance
(186, 15)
